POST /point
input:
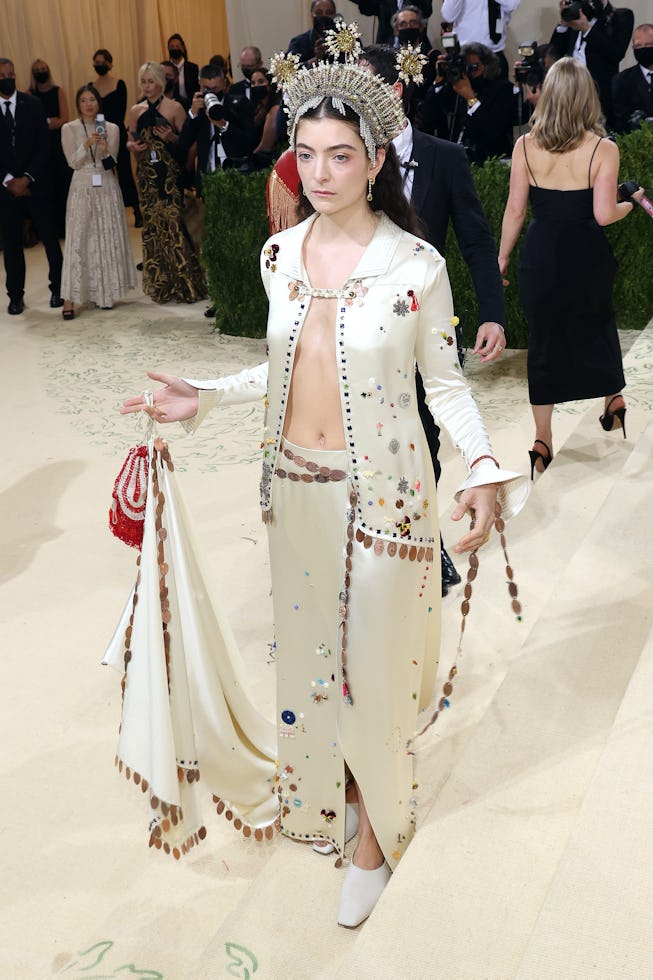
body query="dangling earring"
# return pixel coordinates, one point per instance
(370, 185)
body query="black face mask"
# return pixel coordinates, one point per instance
(259, 93)
(102, 69)
(644, 56)
(41, 77)
(247, 73)
(408, 35)
(170, 87)
(7, 86)
(175, 53)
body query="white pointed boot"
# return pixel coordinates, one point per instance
(360, 892)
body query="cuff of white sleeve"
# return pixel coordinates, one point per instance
(512, 491)
(209, 398)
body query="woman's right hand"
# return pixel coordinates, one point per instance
(136, 146)
(175, 402)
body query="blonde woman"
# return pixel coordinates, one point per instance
(568, 171)
(98, 266)
(171, 269)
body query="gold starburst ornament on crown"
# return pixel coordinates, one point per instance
(343, 41)
(410, 63)
(283, 68)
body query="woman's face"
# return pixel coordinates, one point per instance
(88, 107)
(259, 80)
(150, 87)
(333, 164)
(40, 67)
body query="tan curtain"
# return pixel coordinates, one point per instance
(65, 33)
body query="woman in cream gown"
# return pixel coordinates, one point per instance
(347, 488)
(98, 266)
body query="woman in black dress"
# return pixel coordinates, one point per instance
(55, 106)
(568, 171)
(113, 92)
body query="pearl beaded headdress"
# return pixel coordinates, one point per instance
(377, 105)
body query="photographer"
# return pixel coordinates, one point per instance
(529, 72)
(385, 10)
(221, 124)
(596, 35)
(310, 45)
(470, 103)
(632, 89)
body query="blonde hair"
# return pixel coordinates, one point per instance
(154, 69)
(567, 109)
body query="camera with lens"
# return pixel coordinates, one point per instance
(215, 108)
(454, 66)
(530, 70)
(591, 8)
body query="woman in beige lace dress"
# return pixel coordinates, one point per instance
(98, 266)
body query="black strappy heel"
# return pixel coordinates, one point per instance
(607, 419)
(534, 455)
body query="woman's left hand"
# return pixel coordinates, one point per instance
(480, 503)
(166, 133)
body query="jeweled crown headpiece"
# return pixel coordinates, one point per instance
(377, 105)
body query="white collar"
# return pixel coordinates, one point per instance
(403, 143)
(646, 72)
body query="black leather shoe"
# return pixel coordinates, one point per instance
(55, 301)
(210, 313)
(139, 267)
(15, 307)
(449, 574)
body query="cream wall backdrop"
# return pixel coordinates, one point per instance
(271, 23)
(65, 33)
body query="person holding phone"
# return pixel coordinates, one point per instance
(171, 268)
(98, 266)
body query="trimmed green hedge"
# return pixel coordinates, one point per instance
(237, 227)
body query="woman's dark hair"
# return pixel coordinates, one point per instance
(272, 98)
(103, 54)
(178, 37)
(93, 91)
(387, 193)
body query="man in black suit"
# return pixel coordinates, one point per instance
(309, 46)
(251, 60)
(598, 38)
(438, 182)
(476, 110)
(632, 89)
(228, 134)
(385, 10)
(25, 187)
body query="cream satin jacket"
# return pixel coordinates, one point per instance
(394, 310)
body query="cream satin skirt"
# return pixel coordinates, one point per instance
(357, 624)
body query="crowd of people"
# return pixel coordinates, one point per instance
(465, 97)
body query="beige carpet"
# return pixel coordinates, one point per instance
(82, 894)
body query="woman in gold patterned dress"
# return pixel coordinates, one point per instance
(171, 268)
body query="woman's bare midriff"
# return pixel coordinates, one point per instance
(314, 413)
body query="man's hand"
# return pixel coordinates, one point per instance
(490, 342)
(197, 104)
(580, 24)
(18, 186)
(464, 89)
